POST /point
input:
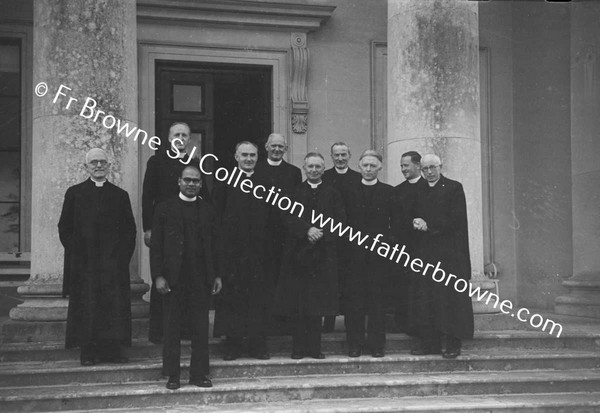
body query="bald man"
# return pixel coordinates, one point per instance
(97, 230)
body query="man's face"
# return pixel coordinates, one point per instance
(431, 170)
(190, 183)
(340, 156)
(314, 168)
(369, 167)
(276, 148)
(246, 157)
(98, 166)
(180, 132)
(409, 169)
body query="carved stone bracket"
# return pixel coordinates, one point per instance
(299, 93)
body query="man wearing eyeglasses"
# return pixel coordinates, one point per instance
(183, 268)
(437, 311)
(97, 230)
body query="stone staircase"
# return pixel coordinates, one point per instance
(506, 371)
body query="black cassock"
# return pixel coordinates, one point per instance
(371, 210)
(342, 182)
(285, 177)
(434, 306)
(242, 307)
(98, 232)
(161, 184)
(406, 196)
(308, 285)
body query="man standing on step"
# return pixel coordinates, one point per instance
(441, 239)
(401, 281)
(183, 267)
(160, 184)
(308, 286)
(242, 309)
(97, 229)
(342, 178)
(370, 209)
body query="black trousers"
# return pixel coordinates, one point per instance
(355, 328)
(183, 299)
(306, 335)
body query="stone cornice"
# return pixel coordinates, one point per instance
(298, 15)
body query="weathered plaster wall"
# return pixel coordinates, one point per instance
(339, 76)
(585, 127)
(495, 34)
(542, 148)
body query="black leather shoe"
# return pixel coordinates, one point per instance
(118, 359)
(173, 383)
(88, 362)
(231, 355)
(261, 356)
(201, 381)
(354, 352)
(451, 353)
(377, 353)
(318, 356)
(297, 355)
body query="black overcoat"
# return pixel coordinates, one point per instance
(367, 277)
(98, 232)
(308, 283)
(242, 307)
(444, 209)
(166, 250)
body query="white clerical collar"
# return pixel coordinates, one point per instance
(98, 183)
(180, 155)
(314, 186)
(433, 183)
(187, 199)
(341, 171)
(414, 180)
(274, 163)
(369, 183)
(248, 174)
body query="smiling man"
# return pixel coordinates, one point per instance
(97, 229)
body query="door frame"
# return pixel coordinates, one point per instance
(150, 52)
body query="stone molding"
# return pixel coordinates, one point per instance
(299, 90)
(283, 14)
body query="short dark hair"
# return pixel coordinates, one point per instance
(195, 168)
(415, 157)
(340, 144)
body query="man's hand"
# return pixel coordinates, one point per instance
(147, 237)
(314, 234)
(217, 285)
(161, 285)
(419, 224)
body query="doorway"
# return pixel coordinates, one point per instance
(222, 103)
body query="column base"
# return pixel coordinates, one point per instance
(583, 299)
(491, 286)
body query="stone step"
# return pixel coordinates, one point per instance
(65, 372)
(292, 388)
(522, 403)
(332, 343)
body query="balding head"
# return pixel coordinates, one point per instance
(276, 147)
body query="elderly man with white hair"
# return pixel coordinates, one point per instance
(97, 230)
(437, 311)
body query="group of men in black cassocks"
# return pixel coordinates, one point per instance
(275, 272)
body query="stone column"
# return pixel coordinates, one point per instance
(90, 47)
(583, 298)
(433, 100)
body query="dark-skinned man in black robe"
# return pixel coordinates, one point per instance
(160, 184)
(242, 308)
(308, 286)
(183, 262)
(97, 229)
(370, 209)
(342, 178)
(436, 310)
